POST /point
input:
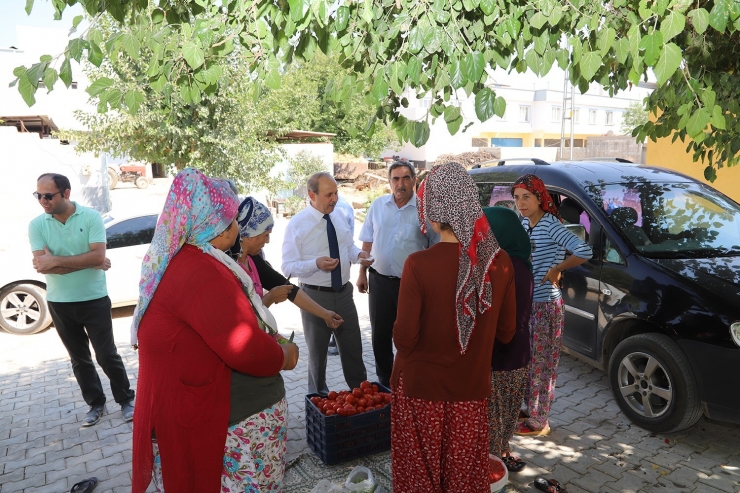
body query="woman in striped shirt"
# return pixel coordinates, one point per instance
(550, 241)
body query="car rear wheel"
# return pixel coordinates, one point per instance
(653, 383)
(23, 309)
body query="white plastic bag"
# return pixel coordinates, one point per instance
(326, 486)
(361, 480)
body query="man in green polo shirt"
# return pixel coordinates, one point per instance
(68, 243)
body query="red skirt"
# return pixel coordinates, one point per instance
(438, 446)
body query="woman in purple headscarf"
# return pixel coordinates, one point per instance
(454, 300)
(211, 414)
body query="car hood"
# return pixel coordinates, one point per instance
(720, 275)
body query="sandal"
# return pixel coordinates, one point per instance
(548, 485)
(85, 486)
(523, 429)
(512, 463)
(522, 416)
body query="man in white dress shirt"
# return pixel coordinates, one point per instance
(323, 270)
(391, 232)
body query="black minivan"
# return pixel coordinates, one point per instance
(658, 305)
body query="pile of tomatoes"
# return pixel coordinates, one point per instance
(362, 399)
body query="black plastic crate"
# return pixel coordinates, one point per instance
(337, 439)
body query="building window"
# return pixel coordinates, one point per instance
(557, 114)
(610, 118)
(426, 103)
(524, 114)
(576, 115)
(592, 117)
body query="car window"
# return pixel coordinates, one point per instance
(610, 253)
(501, 197)
(131, 232)
(675, 220)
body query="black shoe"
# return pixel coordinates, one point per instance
(127, 408)
(93, 415)
(85, 486)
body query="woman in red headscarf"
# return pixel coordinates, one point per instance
(550, 240)
(455, 298)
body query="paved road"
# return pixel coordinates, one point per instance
(593, 448)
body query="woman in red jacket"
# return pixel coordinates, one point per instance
(211, 413)
(455, 298)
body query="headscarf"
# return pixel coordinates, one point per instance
(507, 228)
(449, 195)
(197, 209)
(536, 186)
(254, 218)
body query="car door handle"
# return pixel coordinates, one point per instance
(607, 292)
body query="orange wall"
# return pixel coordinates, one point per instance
(674, 156)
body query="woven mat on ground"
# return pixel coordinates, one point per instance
(304, 472)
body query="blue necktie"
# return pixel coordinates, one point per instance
(336, 274)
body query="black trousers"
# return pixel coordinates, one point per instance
(80, 324)
(383, 306)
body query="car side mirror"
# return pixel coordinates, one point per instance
(577, 229)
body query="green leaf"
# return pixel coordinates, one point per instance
(698, 122)
(45, 58)
(157, 16)
(499, 107)
(487, 6)
(555, 15)
(672, 25)
(99, 86)
(475, 62)
(484, 104)
(700, 19)
(454, 125)
(115, 97)
(538, 20)
(27, 90)
(380, 89)
(718, 118)
(65, 73)
(29, 8)
(451, 113)
(50, 78)
(298, 9)
(670, 60)
(708, 97)
(416, 39)
(652, 44)
(19, 71)
(719, 15)
(35, 73)
(590, 63)
(342, 18)
(76, 21)
(159, 84)
(413, 69)
(95, 54)
(133, 100)
(421, 133)
(193, 54)
(457, 78)
(272, 79)
(710, 174)
(623, 49)
(131, 45)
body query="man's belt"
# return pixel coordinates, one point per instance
(392, 278)
(326, 289)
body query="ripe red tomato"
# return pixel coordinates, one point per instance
(368, 390)
(350, 399)
(365, 385)
(332, 396)
(315, 400)
(357, 393)
(342, 412)
(362, 402)
(375, 388)
(331, 412)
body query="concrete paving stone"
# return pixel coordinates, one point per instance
(630, 483)
(15, 440)
(57, 430)
(57, 487)
(28, 482)
(103, 444)
(117, 427)
(11, 476)
(30, 461)
(82, 459)
(592, 480)
(682, 479)
(613, 468)
(45, 466)
(113, 460)
(666, 459)
(123, 469)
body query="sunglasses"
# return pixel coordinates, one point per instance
(47, 196)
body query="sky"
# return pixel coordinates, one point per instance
(42, 15)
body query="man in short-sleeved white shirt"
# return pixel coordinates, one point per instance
(391, 232)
